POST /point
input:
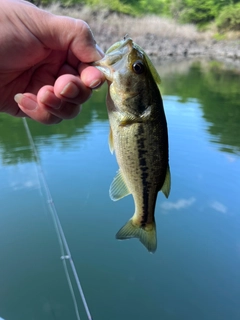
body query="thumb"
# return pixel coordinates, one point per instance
(64, 33)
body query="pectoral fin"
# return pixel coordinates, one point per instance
(167, 183)
(110, 141)
(127, 119)
(118, 188)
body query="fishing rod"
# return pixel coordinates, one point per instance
(64, 248)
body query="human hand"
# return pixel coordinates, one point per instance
(44, 60)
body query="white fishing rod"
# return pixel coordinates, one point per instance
(64, 248)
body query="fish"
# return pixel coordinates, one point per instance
(138, 136)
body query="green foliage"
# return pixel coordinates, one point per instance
(200, 12)
(219, 36)
(229, 18)
(114, 5)
(47, 2)
(159, 7)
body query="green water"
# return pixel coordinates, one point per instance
(195, 273)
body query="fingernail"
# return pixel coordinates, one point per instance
(95, 83)
(28, 103)
(99, 50)
(70, 91)
(18, 97)
(50, 100)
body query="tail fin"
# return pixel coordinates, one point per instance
(147, 235)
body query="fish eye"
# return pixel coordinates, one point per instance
(138, 67)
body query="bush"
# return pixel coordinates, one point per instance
(229, 18)
(198, 11)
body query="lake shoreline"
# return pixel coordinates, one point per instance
(164, 48)
(161, 38)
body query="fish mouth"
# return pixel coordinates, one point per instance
(113, 60)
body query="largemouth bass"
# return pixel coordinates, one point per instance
(138, 135)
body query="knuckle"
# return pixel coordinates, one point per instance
(49, 119)
(70, 111)
(85, 30)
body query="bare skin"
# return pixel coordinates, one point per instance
(44, 71)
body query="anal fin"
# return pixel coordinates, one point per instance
(167, 183)
(118, 188)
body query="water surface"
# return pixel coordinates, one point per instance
(195, 273)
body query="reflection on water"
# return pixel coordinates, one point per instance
(14, 144)
(217, 91)
(194, 274)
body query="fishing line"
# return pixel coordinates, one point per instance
(64, 248)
